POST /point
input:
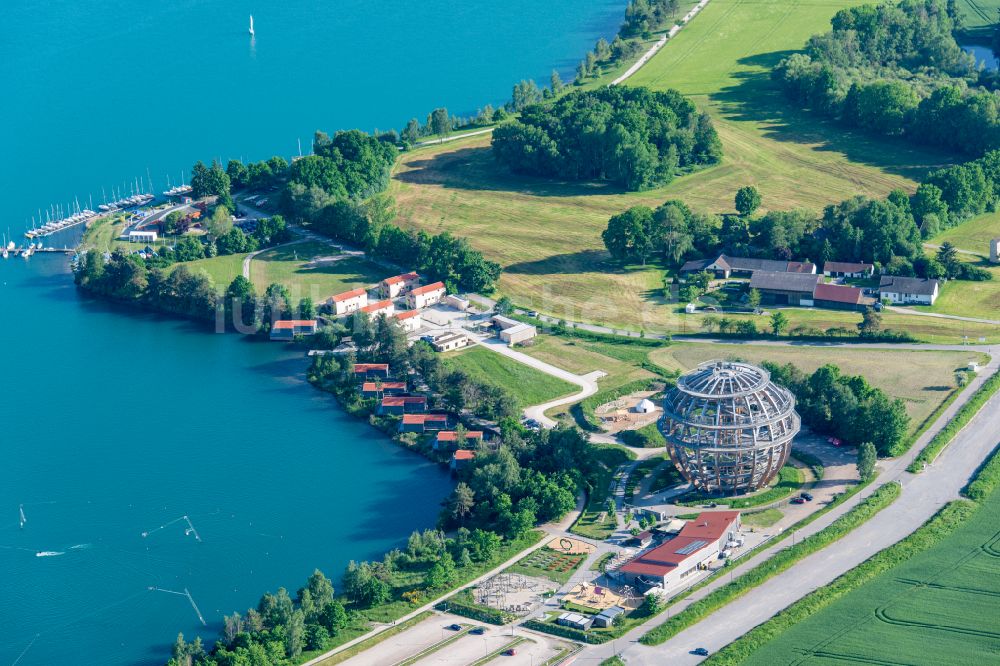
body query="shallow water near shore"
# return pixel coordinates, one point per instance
(118, 423)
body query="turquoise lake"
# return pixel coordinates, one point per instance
(116, 423)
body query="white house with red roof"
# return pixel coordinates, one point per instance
(429, 294)
(410, 320)
(398, 285)
(449, 438)
(287, 329)
(348, 302)
(377, 308)
(699, 542)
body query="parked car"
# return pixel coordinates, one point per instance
(478, 631)
(531, 313)
(511, 652)
(701, 652)
(455, 627)
(798, 500)
(807, 497)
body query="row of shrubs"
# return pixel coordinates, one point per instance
(594, 638)
(961, 419)
(952, 516)
(459, 606)
(878, 500)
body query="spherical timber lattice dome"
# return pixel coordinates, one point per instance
(728, 427)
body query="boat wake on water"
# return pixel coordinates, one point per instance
(49, 553)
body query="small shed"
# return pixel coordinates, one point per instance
(645, 406)
(574, 621)
(606, 617)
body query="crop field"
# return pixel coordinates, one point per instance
(939, 607)
(546, 234)
(529, 386)
(922, 379)
(977, 15)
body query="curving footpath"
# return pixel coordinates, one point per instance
(923, 495)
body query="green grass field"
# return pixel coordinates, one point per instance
(312, 269)
(548, 563)
(939, 607)
(764, 518)
(546, 234)
(922, 379)
(972, 236)
(978, 16)
(529, 386)
(222, 270)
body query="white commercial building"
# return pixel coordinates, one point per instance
(422, 297)
(142, 236)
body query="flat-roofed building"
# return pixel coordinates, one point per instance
(450, 341)
(142, 236)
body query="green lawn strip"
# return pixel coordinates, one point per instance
(646, 437)
(965, 414)
(499, 651)
(814, 464)
(780, 561)
(790, 480)
(528, 385)
(466, 628)
(588, 525)
(764, 518)
(600, 563)
(358, 648)
(641, 471)
(563, 656)
(613, 661)
(952, 516)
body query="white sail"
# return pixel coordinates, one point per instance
(251, 24)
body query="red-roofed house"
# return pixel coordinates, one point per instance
(847, 269)
(371, 370)
(699, 542)
(840, 297)
(398, 285)
(348, 302)
(461, 458)
(409, 320)
(423, 422)
(375, 389)
(286, 329)
(421, 297)
(403, 404)
(449, 438)
(380, 308)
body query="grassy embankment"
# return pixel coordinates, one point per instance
(721, 59)
(940, 581)
(528, 385)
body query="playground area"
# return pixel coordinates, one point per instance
(598, 597)
(629, 412)
(513, 593)
(570, 546)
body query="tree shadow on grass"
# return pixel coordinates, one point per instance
(568, 263)
(474, 168)
(755, 98)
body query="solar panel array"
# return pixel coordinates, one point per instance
(691, 547)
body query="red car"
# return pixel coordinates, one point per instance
(798, 500)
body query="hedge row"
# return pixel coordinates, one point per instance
(646, 437)
(567, 632)
(812, 462)
(944, 436)
(939, 527)
(475, 612)
(878, 500)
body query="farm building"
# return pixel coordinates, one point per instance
(398, 285)
(724, 266)
(847, 269)
(513, 331)
(410, 320)
(422, 297)
(380, 308)
(916, 291)
(447, 438)
(785, 288)
(286, 329)
(449, 341)
(461, 458)
(376, 389)
(728, 427)
(371, 370)
(841, 297)
(699, 542)
(403, 404)
(348, 302)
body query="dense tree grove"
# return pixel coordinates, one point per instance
(846, 407)
(672, 231)
(644, 16)
(895, 69)
(256, 175)
(633, 137)
(349, 165)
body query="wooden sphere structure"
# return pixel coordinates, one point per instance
(728, 427)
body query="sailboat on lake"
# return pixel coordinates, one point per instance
(251, 25)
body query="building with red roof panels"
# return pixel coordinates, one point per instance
(377, 308)
(397, 285)
(461, 458)
(348, 301)
(376, 389)
(403, 404)
(371, 369)
(446, 438)
(286, 329)
(422, 297)
(424, 422)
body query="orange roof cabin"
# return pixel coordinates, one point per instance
(423, 422)
(403, 404)
(375, 389)
(410, 320)
(348, 302)
(380, 308)
(448, 438)
(287, 329)
(840, 297)
(421, 297)
(461, 458)
(398, 285)
(699, 542)
(369, 370)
